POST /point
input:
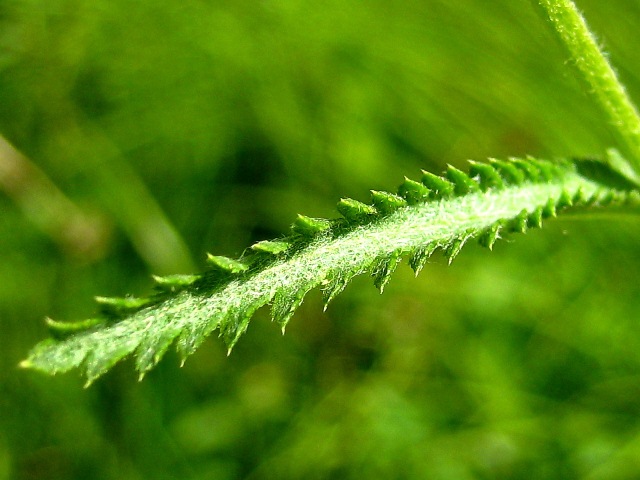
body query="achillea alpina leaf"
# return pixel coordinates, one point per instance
(437, 213)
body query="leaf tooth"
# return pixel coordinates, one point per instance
(272, 247)
(565, 200)
(549, 210)
(462, 183)
(226, 264)
(121, 306)
(235, 324)
(173, 283)
(454, 247)
(355, 211)
(285, 305)
(232, 333)
(620, 198)
(414, 192)
(626, 198)
(98, 362)
(519, 223)
(529, 169)
(420, 255)
(631, 198)
(546, 170)
(440, 187)
(192, 334)
(510, 174)
(490, 235)
(309, 227)
(605, 197)
(582, 198)
(61, 330)
(332, 288)
(488, 176)
(386, 202)
(384, 269)
(153, 347)
(535, 218)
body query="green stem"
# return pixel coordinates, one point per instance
(601, 82)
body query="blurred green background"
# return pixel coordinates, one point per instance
(151, 132)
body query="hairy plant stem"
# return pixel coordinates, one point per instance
(600, 80)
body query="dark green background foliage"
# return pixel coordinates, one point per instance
(184, 127)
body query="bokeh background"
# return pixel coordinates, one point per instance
(140, 135)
